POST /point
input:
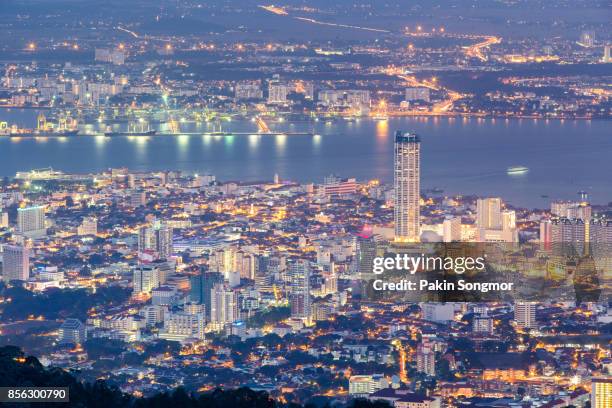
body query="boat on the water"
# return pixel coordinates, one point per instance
(517, 170)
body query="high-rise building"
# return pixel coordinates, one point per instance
(248, 90)
(299, 298)
(4, 219)
(525, 315)
(356, 100)
(568, 230)
(488, 213)
(277, 92)
(601, 392)
(426, 359)
(438, 312)
(180, 326)
(72, 331)
(201, 287)
(156, 238)
(153, 314)
(15, 263)
(366, 252)
(407, 165)
(138, 198)
(482, 324)
(31, 221)
(163, 296)
(573, 210)
(364, 385)
(561, 208)
(334, 186)
(232, 259)
(116, 57)
(607, 54)
(587, 39)
(223, 304)
(600, 232)
(493, 223)
(545, 234)
(451, 229)
(578, 232)
(146, 278)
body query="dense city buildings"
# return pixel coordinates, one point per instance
(244, 277)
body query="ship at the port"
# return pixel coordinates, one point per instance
(141, 128)
(66, 127)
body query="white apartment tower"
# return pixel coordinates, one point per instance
(31, 221)
(15, 263)
(223, 304)
(525, 315)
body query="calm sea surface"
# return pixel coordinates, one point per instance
(466, 156)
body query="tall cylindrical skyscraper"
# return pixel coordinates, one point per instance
(407, 174)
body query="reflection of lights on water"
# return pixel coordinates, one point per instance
(218, 137)
(229, 140)
(183, 140)
(316, 140)
(281, 140)
(100, 140)
(253, 140)
(382, 128)
(62, 139)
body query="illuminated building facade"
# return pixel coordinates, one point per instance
(407, 168)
